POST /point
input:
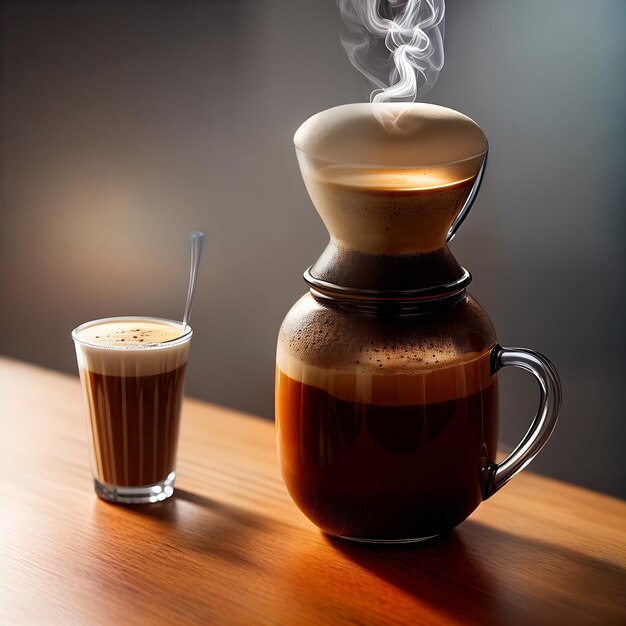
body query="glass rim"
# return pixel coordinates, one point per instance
(186, 336)
(388, 166)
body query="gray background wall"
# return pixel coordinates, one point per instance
(127, 124)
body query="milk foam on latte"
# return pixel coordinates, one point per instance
(129, 334)
(132, 346)
(375, 368)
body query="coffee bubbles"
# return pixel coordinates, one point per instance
(132, 346)
(130, 334)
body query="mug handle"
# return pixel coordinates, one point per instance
(498, 474)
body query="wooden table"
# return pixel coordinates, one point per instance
(231, 548)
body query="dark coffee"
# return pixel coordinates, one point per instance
(134, 425)
(384, 471)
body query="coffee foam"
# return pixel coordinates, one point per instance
(131, 347)
(401, 362)
(400, 386)
(385, 220)
(421, 135)
(129, 334)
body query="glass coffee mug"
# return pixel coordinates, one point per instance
(386, 372)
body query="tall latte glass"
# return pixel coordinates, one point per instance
(132, 371)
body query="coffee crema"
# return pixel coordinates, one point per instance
(129, 334)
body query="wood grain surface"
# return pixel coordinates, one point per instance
(231, 548)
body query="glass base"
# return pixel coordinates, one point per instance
(145, 494)
(387, 542)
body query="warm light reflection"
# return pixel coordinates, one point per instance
(396, 179)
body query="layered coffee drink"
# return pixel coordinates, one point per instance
(132, 371)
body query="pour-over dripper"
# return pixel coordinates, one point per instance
(390, 199)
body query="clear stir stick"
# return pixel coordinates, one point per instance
(197, 238)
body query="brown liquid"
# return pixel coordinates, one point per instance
(384, 471)
(391, 221)
(388, 239)
(134, 424)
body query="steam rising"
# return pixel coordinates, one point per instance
(396, 44)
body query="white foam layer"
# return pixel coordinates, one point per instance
(416, 135)
(131, 346)
(129, 334)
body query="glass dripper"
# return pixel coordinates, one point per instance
(391, 196)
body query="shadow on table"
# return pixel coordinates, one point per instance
(172, 510)
(476, 574)
(482, 575)
(194, 522)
